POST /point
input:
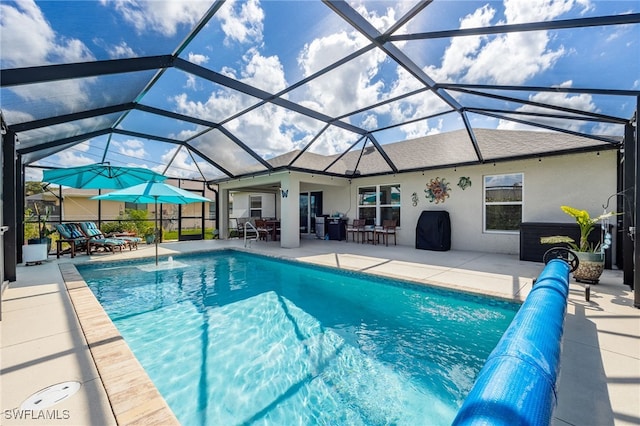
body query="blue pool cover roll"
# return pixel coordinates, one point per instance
(517, 385)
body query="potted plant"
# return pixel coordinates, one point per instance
(590, 255)
(44, 232)
(148, 231)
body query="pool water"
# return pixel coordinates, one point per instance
(233, 338)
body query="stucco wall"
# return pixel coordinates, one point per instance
(583, 181)
(242, 209)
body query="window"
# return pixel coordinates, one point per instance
(135, 206)
(378, 203)
(503, 202)
(255, 205)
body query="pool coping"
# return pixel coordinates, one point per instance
(133, 397)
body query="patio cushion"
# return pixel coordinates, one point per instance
(90, 229)
(74, 230)
(63, 231)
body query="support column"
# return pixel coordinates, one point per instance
(10, 172)
(290, 212)
(223, 214)
(628, 203)
(636, 196)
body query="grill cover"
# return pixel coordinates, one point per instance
(433, 231)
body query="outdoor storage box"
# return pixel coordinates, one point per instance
(530, 233)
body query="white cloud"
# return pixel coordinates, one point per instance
(608, 129)
(349, 87)
(263, 72)
(369, 121)
(241, 21)
(162, 17)
(270, 130)
(198, 58)
(28, 39)
(507, 59)
(191, 82)
(131, 148)
(79, 155)
(581, 102)
(510, 58)
(15, 116)
(122, 50)
(182, 165)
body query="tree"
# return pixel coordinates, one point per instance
(32, 187)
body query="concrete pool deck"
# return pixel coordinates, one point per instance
(43, 343)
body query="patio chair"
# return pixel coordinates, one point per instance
(130, 238)
(71, 234)
(356, 229)
(241, 229)
(388, 228)
(263, 229)
(97, 240)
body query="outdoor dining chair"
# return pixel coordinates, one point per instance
(356, 229)
(264, 230)
(388, 228)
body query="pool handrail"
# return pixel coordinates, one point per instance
(517, 384)
(246, 225)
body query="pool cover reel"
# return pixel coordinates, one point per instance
(517, 385)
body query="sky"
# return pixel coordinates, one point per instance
(273, 45)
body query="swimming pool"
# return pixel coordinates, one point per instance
(234, 338)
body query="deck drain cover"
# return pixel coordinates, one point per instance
(50, 396)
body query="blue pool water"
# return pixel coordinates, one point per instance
(232, 338)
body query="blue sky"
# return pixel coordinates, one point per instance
(274, 44)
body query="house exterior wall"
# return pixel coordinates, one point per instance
(242, 209)
(583, 181)
(76, 209)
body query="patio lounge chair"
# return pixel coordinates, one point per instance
(71, 234)
(97, 240)
(130, 238)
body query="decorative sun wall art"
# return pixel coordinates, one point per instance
(464, 182)
(437, 190)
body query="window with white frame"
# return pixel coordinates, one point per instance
(377, 203)
(255, 205)
(503, 196)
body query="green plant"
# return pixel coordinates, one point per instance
(586, 223)
(36, 223)
(142, 226)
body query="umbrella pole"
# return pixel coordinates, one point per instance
(155, 224)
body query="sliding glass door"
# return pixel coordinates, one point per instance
(310, 207)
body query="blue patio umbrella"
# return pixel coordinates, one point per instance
(153, 192)
(101, 176)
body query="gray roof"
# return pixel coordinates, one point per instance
(443, 150)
